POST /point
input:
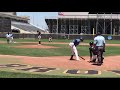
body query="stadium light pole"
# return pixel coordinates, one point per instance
(97, 23)
(57, 25)
(104, 24)
(111, 23)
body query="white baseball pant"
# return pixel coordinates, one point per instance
(74, 50)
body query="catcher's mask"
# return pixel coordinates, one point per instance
(91, 43)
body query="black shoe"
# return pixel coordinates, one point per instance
(91, 61)
(99, 63)
(71, 58)
(39, 42)
(94, 60)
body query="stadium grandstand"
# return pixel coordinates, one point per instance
(9, 21)
(84, 23)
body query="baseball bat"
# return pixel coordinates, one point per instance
(82, 57)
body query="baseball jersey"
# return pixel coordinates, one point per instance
(99, 40)
(76, 42)
(8, 35)
(39, 36)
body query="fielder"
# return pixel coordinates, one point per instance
(73, 45)
(8, 37)
(93, 52)
(39, 37)
(50, 39)
(11, 38)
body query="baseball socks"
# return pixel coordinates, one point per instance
(39, 42)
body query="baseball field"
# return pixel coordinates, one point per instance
(26, 59)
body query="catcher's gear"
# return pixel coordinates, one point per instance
(91, 43)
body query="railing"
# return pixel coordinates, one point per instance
(90, 16)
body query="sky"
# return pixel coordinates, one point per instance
(38, 18)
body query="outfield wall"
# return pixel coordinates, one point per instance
(59, 36)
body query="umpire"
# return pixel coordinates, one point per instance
(99, 42)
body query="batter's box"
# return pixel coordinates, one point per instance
(37, 69)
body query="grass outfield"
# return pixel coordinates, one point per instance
(58, 40)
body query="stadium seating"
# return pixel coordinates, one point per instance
(25, 27)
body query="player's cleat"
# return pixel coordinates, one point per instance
(78, 59)
(71, 58)
(39, 42)
(90, 61)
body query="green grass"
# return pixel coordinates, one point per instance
(35, 40)
(57, 40)
(64, 40)
(6, 74)
(63, 50)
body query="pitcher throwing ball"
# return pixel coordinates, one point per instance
(73, 45)
(39, 37)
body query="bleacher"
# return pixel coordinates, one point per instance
(26, 27)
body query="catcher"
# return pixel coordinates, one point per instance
(93, 52)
